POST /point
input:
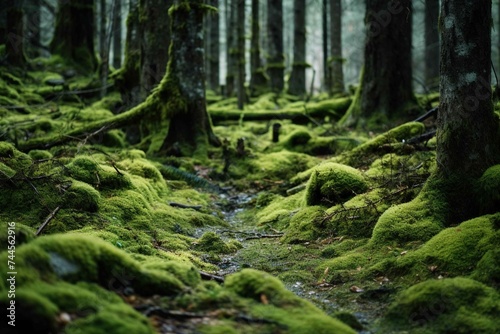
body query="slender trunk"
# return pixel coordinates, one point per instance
(276, 63)
(257, 80)
(337, 74)
(297, 82)
(326, 67)
(240, 52)
(467, 130)
(14, 47)
(117, 34)
(230, 47)
(213, 69)
(431, 44)
(32, 28)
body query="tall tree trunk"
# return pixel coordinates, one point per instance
(154, 23)
(240, 52)
(213, 51)
(32, 27)
(336, 60)
(467, 130)
(327, 83)
(258, 79)
(14, 47)
(117, 34)
(385, 90)
(231, 41)
(276, 61)
(182, 91)
(297, 82)
(74, 34)
(431, 44)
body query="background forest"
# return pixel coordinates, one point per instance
(249, 166)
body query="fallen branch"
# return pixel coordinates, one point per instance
(427, 115)
(421, 138)
(47, 220)
(185, 206)
(261, 236)
(209, 277)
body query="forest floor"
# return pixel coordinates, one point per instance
(323, 230)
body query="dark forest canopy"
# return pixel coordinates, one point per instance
(249, 166)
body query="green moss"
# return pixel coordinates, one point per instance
(82, 196)
(456, 250)
(188, 274)
(418, 220)
(305, 225)
(141, 167)
(280, 211)
(40, 154)
(22, 233)
(488, 268)
(86, 169)
(212, 243)
(488, 190)
(333, 183)
(455, 305)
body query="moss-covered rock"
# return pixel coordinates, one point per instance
(305, 225)
(455, 305)
(333, 183)
(488, 190)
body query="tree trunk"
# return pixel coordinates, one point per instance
(231, 47)
(467, 130)
(431, 44)
(336, 60)
(14, 47)
(276, 60)
(326, 68)
(385, 90)
(240, 52)
(74, 34)
(297, 82)
(117, 34)
(32, 27)
(213, 51)
(258, 79)
(154, 23)
(103, 47)
(182, 91)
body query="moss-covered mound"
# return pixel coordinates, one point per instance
(488, 190)
(454, 305)
(333, 183)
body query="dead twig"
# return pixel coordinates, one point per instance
(47, 220)
(209, 277)
(184, 206)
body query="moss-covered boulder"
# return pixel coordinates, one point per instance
(455, 305)
(333, 183)
(305, 225)
(488, 190)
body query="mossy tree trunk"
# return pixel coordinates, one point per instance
(231, 40)
(276, 59)
(74, 33)
(117, 34)
(14, 43)
(385, 89)
(431, 44)
(213, 49)
(183, 88)
(258, 79)
(240, 52)
(154, 23)
(336, 61)
(297, 82)
(467, 129)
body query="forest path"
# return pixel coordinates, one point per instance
(294, 264)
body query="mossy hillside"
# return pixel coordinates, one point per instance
(452, 305)
(333, 183)
(92, 309)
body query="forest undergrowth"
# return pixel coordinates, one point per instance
(315, 230)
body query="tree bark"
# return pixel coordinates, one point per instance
(336, 60)
(385, 90)
(240, 52)
(324, 28)
(117, 34)
(258, 79)
(467, 130)
(32, 26)
(74, 34)
(182, 91)
(14, 47)
(297, 82)
(431, 44)
(276, 60)
(231, 41)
